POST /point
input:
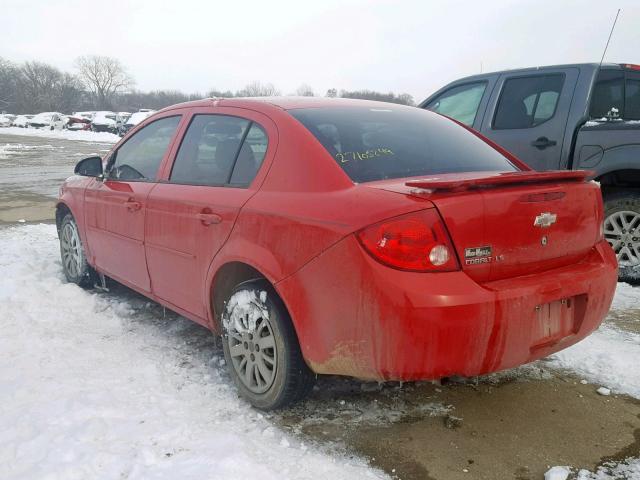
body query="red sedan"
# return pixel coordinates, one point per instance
(330, 236)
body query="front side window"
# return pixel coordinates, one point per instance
(460, 103)
(527, 102)
(139, 158)
(395, 142)
(219, 150)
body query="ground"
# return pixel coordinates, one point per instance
(107, 385)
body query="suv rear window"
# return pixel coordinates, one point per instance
(383, 143)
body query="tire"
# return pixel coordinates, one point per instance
(270, 373)
(622, 231)
(74, 261)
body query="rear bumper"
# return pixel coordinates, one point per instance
(356, 317)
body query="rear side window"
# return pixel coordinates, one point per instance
(219, 150)
(460, 103)
(526, 102)
(381, 143)
(617, 94)
(140, 157)
(632, 97)
(608, 93)
(250, 157)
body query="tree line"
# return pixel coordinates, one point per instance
(103, 83)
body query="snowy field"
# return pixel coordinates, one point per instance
(94, 387)
(81, 135)
(100, 386)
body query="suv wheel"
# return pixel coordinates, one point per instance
(261, 348)
(622, 231)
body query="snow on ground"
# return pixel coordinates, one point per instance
(629, 470)
(610, 356)
(98, 386)
(88, 136)
(9, 149)
(101, 386)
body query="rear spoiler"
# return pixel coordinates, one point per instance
(500, 179)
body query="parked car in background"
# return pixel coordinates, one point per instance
(6, 119)
(565, 117)
(48, 120)
(77, 122)
(106, 122)
(134, 120)
(414, 249)
(22, 120)
(124, 116)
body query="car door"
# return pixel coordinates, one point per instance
(116, 206)
(530, 112)
(191, 214)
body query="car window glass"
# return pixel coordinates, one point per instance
(250, 157)
(528, 101)
(460, 103)
(140, 157)
(547, 102)
(608, 93)
(632, 98)
(380, 143)
(208, 150)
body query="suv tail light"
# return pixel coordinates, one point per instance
(417, 241)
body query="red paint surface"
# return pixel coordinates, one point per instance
(297, 225)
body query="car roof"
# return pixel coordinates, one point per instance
(591, 66)
(283, 103)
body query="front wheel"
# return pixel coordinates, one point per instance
(261, 348)
(74, 261)
(622, 231)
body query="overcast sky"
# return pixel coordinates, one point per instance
(413, 46)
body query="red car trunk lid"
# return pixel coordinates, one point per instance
(512, 224)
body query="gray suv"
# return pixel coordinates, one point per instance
(582, 116)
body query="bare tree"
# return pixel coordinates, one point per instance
(403, 98)
(40, 83)
(104, 77)
(305, 90)
(215, 93)
(9, 75)
(257, 89)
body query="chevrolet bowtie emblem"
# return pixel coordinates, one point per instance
(545, 220)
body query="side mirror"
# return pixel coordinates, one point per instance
(89, 167)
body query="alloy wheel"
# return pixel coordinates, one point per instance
(622, 231)
(71, 249)
(251, 343)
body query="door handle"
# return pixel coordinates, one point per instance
(207, 218)
(132, 205)
(543, 142)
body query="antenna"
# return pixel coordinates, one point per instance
(609, 39)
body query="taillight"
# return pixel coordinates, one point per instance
(417, 241)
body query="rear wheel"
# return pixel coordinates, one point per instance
(622, 231)
(74, 261)
(261, 348)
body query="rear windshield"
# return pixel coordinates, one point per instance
(378, 143)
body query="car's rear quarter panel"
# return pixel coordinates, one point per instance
(357, 317)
